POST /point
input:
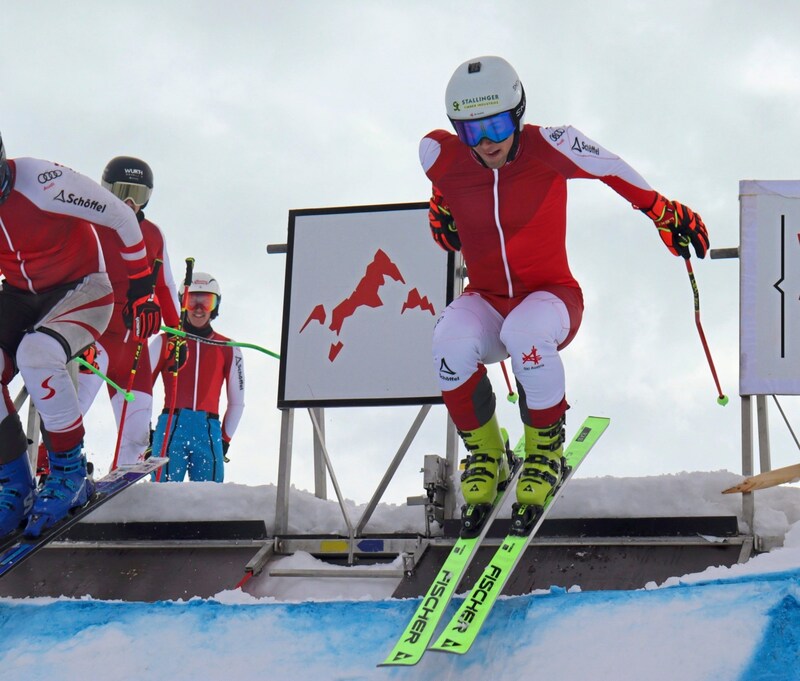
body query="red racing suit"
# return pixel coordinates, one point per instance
(47, 238)
(166, 290)
(201, 377)
(512, 222)
(512, 225)
(116, 348)
(55, 282)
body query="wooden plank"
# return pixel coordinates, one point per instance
(768, 479)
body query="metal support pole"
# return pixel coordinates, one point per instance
(786, 421)
(331, 472)
(33, 430)
(748, 506)
(762, 419)
(452, 440)
(19, 400)
(284, 472)
(320, 474)
(390, 471)
(451, 450)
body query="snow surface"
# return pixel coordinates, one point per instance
(739, 622)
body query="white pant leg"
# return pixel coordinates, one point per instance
(72, 324)
(136, 429)
(531, 333)
(466, 335)
(82, 315)
(42, 363)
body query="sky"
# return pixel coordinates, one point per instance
(246, 110)
(737, 622)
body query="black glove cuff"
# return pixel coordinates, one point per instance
(140, 287)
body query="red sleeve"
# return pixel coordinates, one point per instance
(165, 284)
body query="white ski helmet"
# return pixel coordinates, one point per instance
(203, 282)
(484, 87)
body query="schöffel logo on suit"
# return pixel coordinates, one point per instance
(92, 204)
(580, 147)
(446, 373)
(239, 361)
(44, 178)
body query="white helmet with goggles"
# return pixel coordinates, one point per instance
(204, 283)
(485, 98)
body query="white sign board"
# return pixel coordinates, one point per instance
(770, 288)
(364, 288)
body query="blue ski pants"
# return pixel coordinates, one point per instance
(194, 447)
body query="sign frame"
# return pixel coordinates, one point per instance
(364, 286)
(769, 260)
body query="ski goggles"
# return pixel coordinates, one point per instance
(204, 300)
(495, 128)
(137, 193)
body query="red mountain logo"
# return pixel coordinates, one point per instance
(416, 300)
(366, 294)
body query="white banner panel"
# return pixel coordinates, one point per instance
(364, 288)
(770, 287)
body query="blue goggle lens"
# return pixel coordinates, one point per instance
(495, 128)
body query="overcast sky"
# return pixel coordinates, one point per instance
(246, 110)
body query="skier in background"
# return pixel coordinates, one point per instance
(499, 196)
(130, 180)
(197, 441)
(55, 301)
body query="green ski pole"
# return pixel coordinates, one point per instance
(232, 344)
(129, 396)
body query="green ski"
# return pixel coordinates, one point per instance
(415, 638)
(461, 631)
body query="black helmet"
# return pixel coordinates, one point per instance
(129, 178)
(5, 173)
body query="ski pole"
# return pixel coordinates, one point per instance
(137, 353)
(722, 399)
(187, 282)
(209, 341)
(129, 397)
(512, 396)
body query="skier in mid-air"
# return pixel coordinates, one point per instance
(55, 301)
(197, 441)
(130, 179)
(499, 196)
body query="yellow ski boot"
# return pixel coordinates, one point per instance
(543, 468)
(485, 470)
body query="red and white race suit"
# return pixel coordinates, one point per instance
(56, 297)
(522, 300)
(116, 348)
(201, 378)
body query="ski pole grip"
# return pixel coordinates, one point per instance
(156, 269)
(187, 280)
